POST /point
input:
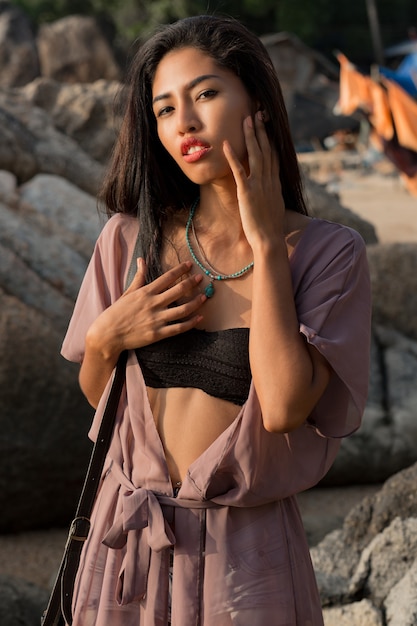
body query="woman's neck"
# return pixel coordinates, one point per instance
(218, 213)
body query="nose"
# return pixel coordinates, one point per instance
(187, 119)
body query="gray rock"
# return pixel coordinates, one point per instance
(310, 85)
(334, 561)
(394, 286)
(362, 457)
(50, 259)
(16, 146)
(396, 498)
(385, 442)
(18, 53)
(44, 428)
(19, 280)
(71, 213)
(361, 613)
(377, 373)
(8, 188)
(84, 112)
(400, 361)
(386, 560)
(327, 206)
(73, 49)
(29, 144)
(401, 602)
(43, 422)
(21, 603)
(375, 547)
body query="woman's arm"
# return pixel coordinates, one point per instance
(142, 315)
(289, 375)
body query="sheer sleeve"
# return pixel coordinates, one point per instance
(333, 299)
(103, 281)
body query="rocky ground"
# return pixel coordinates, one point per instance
(376, 194)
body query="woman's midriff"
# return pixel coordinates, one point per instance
(188, 421)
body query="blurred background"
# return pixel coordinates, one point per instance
(324, 24)
(349, 75)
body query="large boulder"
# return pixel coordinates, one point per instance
(85, 112)
(73, 49)
(39, 247)
(62, 208)
(44, 422)
(325, 205)
(361, 613)
(385, 443)
(401, 602)
(30, 143)
(21, 603)
(372, 558)
(45, 246)
(18, 52)
(394, 286)
(385, 560)
(310, 84)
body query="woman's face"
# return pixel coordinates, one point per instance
(197, 106)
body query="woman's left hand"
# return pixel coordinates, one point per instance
(259, 193)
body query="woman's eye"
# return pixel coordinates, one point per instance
(164, 111)
(207, 93)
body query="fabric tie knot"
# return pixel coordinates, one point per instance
(140, 509)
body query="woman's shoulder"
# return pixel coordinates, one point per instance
(121, 223)
(323, 249)
(324, 235)
(120, 229)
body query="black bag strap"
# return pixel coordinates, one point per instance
(59, 605)
(102, 443)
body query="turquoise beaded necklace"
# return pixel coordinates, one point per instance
(209, 290)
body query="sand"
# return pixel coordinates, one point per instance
(377, 194)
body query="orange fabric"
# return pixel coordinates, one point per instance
(391, 111)
(354, 88)
(404, 113)
(380, 116)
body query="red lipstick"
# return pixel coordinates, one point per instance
(194, 149)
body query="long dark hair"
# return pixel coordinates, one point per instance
(143, 179)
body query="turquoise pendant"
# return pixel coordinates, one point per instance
(209, 290)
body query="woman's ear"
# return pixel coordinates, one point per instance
(265, 115)
(258, 108)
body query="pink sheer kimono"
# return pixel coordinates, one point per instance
(240, 551)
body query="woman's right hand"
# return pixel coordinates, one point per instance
(147, 313)
(143, 315)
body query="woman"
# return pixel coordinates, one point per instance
(247, 326)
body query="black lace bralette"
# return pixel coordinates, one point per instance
(216, 362)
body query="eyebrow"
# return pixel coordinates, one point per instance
(196, 81)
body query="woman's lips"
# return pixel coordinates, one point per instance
(194, 149)
(195, 153)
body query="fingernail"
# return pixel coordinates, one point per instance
(249, 122)
(260, 116)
